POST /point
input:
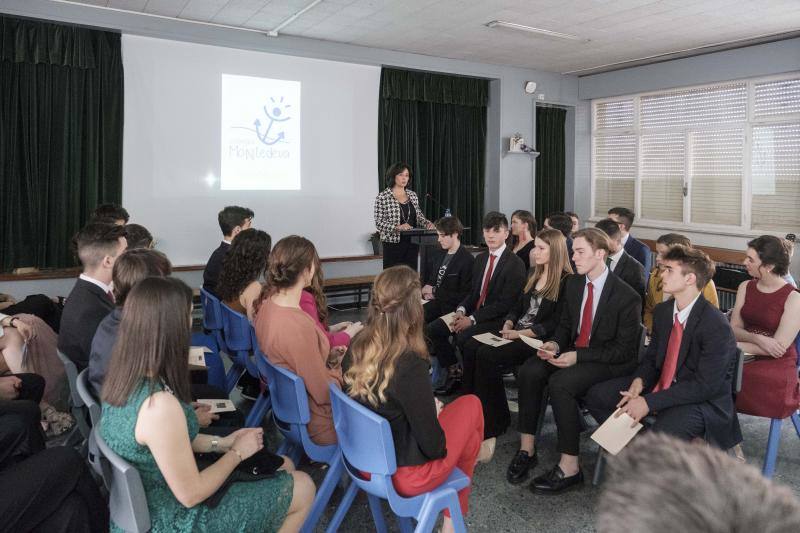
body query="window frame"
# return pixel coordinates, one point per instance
(745, 226)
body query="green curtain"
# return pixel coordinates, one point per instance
(61, 113)
(551, 163)
(437, 124)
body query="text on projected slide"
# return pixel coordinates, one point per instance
(260, 134)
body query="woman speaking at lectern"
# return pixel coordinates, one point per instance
(397, 209)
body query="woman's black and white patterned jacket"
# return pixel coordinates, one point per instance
(387, 214)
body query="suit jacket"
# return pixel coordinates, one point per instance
(704, 375)
(507, 282)
(548, 315)
(86, 306)
(639, 251)
(102, 348)
(614, 339)
(387, 214)
(457, 281)
(214, 267)
(631, 272)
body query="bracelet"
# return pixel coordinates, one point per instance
(238, 454)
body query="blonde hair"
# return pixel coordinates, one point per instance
(557, 267)
(394, 327)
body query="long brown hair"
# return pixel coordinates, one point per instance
(317, 289)
(290, 257)
(394, 327)
(557, 267)
(153, 341)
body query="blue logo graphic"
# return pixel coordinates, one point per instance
(275, 112)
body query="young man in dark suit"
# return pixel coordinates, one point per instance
(596, 340)
(448, 276)
(635, 248)
(232, 220)
(623, 265)
(498, 276)
(685, 377)
(99, 244)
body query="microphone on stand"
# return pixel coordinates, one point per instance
(435, 201)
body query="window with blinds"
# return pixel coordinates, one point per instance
(686, 156)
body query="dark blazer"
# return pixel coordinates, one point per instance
(639, 251)
(704, 375)
(524, 254)
(214, 267)
(507, 282)
(457, 280)
(614, 338)
(631, 272)
(547, 317)
(86, 306)
(102, 347)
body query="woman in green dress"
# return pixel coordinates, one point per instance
(147, 419)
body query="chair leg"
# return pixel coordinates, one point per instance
(323, 495)
(344, 506)
(377, 513)
(256, 415)
(456, 516)
(232, 377)
(773, 442)
(599, 467)
(796, 422)
(405, 524)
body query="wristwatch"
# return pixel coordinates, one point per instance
(214, 445)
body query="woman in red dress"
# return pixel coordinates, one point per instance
(766, 320)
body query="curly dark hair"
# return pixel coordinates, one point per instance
(245, 262)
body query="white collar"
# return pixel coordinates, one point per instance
(683, 315)
(106, 288)
(600, 280)
(625, 239)
(226, 241)
(615, 257)
(497, 253)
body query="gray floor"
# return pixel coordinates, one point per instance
(497, 506)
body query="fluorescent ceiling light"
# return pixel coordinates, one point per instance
(538, 31)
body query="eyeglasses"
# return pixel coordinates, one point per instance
(791, 237)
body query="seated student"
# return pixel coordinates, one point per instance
(99, 244)
(449, 278)
(535, 315)
(130, 268)
(138, 236)
(523, 230)
(147, 420)
(576, 220)
(655, 290)
(685, 377)
(291, 339)
(110, 213)
(596, 339)
(623, 265)
(497, 279)
(637, 249)
(243, 267)
(46, 308)
(44, 489)
(388, 373)
(232, 220)
(766, 321)
(314, 303)
(660, 485)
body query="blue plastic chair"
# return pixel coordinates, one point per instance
(291, 415)
(774, 440)
(214, 364)
(213, 323)
(365, 439)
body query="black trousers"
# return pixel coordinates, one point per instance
(490, 365)
(400, 253)
(38, 305)
(438, 335)
(565, 387)
(433, 310)
(682, 421)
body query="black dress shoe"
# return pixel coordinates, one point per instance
(520, 465)
(555, 482)
(449, 388)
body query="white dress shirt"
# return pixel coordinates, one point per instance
(597, 290)
(497, 253)
(683, 315)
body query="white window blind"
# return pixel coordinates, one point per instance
(777, 98)
(615, 172)
(663, 157)
(695, 107)
(618, 114)
(775, 171)
(716, 176)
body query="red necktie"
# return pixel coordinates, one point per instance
(111, 296)
(586, 318)
(671, 359)
(485, 288)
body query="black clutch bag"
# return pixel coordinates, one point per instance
(261, 465)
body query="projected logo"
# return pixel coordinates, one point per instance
(260, 134)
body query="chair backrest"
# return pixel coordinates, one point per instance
(87, 395)
(237, 329)
(797, 349)
(287, 392)
(127, 501)
(738, 370)
(72, 378)
(642, 342)
(212, 315)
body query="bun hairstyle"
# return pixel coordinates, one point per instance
(394, 327)
(289, 259)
